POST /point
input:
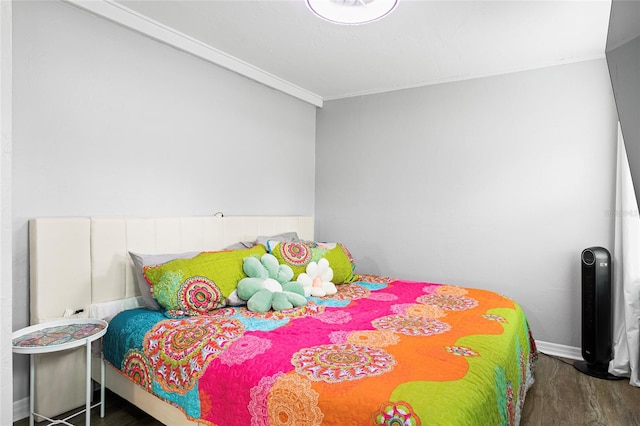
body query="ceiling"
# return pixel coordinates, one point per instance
(419, 43)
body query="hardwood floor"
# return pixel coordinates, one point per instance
(560, 396)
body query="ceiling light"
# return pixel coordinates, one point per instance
(352, 12)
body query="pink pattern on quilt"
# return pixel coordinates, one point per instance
(245, 348)
(338, 337)
(400, 308)
(335, 317)
(258, 408)
(430, 288)
(386, 297)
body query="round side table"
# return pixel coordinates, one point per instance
(59, 336)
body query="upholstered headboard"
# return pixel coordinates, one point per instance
(75, 262)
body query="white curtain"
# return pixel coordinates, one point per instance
(626, 273)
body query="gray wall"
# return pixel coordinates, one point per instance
(108, 122)
(496, 183)
(6, 298)
(623, 58)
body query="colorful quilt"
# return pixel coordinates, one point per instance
(379, 352)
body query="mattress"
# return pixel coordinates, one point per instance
(381, 351)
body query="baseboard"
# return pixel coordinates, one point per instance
(556, 349)
(21, 409)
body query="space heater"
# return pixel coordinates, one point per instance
(596, 313)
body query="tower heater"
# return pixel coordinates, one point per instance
(596, 313)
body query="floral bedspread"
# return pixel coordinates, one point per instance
(379, 352)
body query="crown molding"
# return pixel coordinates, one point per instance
(126, 17)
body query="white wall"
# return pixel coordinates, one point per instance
(109, 122)
(6, 356)
(497, 183)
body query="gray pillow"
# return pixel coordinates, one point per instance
(286, 237)
(241, 245)
(142, 260)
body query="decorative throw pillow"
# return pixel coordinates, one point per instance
(299, 254)
(198, 285)
(142, 260)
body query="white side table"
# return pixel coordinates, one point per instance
(59, 336)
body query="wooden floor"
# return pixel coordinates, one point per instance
(560, 396)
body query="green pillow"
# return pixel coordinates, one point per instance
(300, 253)
(198, 285)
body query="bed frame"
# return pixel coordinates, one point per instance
(76, 262)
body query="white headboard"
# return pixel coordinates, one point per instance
(75, 262)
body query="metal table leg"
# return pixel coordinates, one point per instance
(101, 386)
(88, 395)
(32, 383)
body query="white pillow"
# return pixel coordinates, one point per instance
(107, 310)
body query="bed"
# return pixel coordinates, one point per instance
(382, 350)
